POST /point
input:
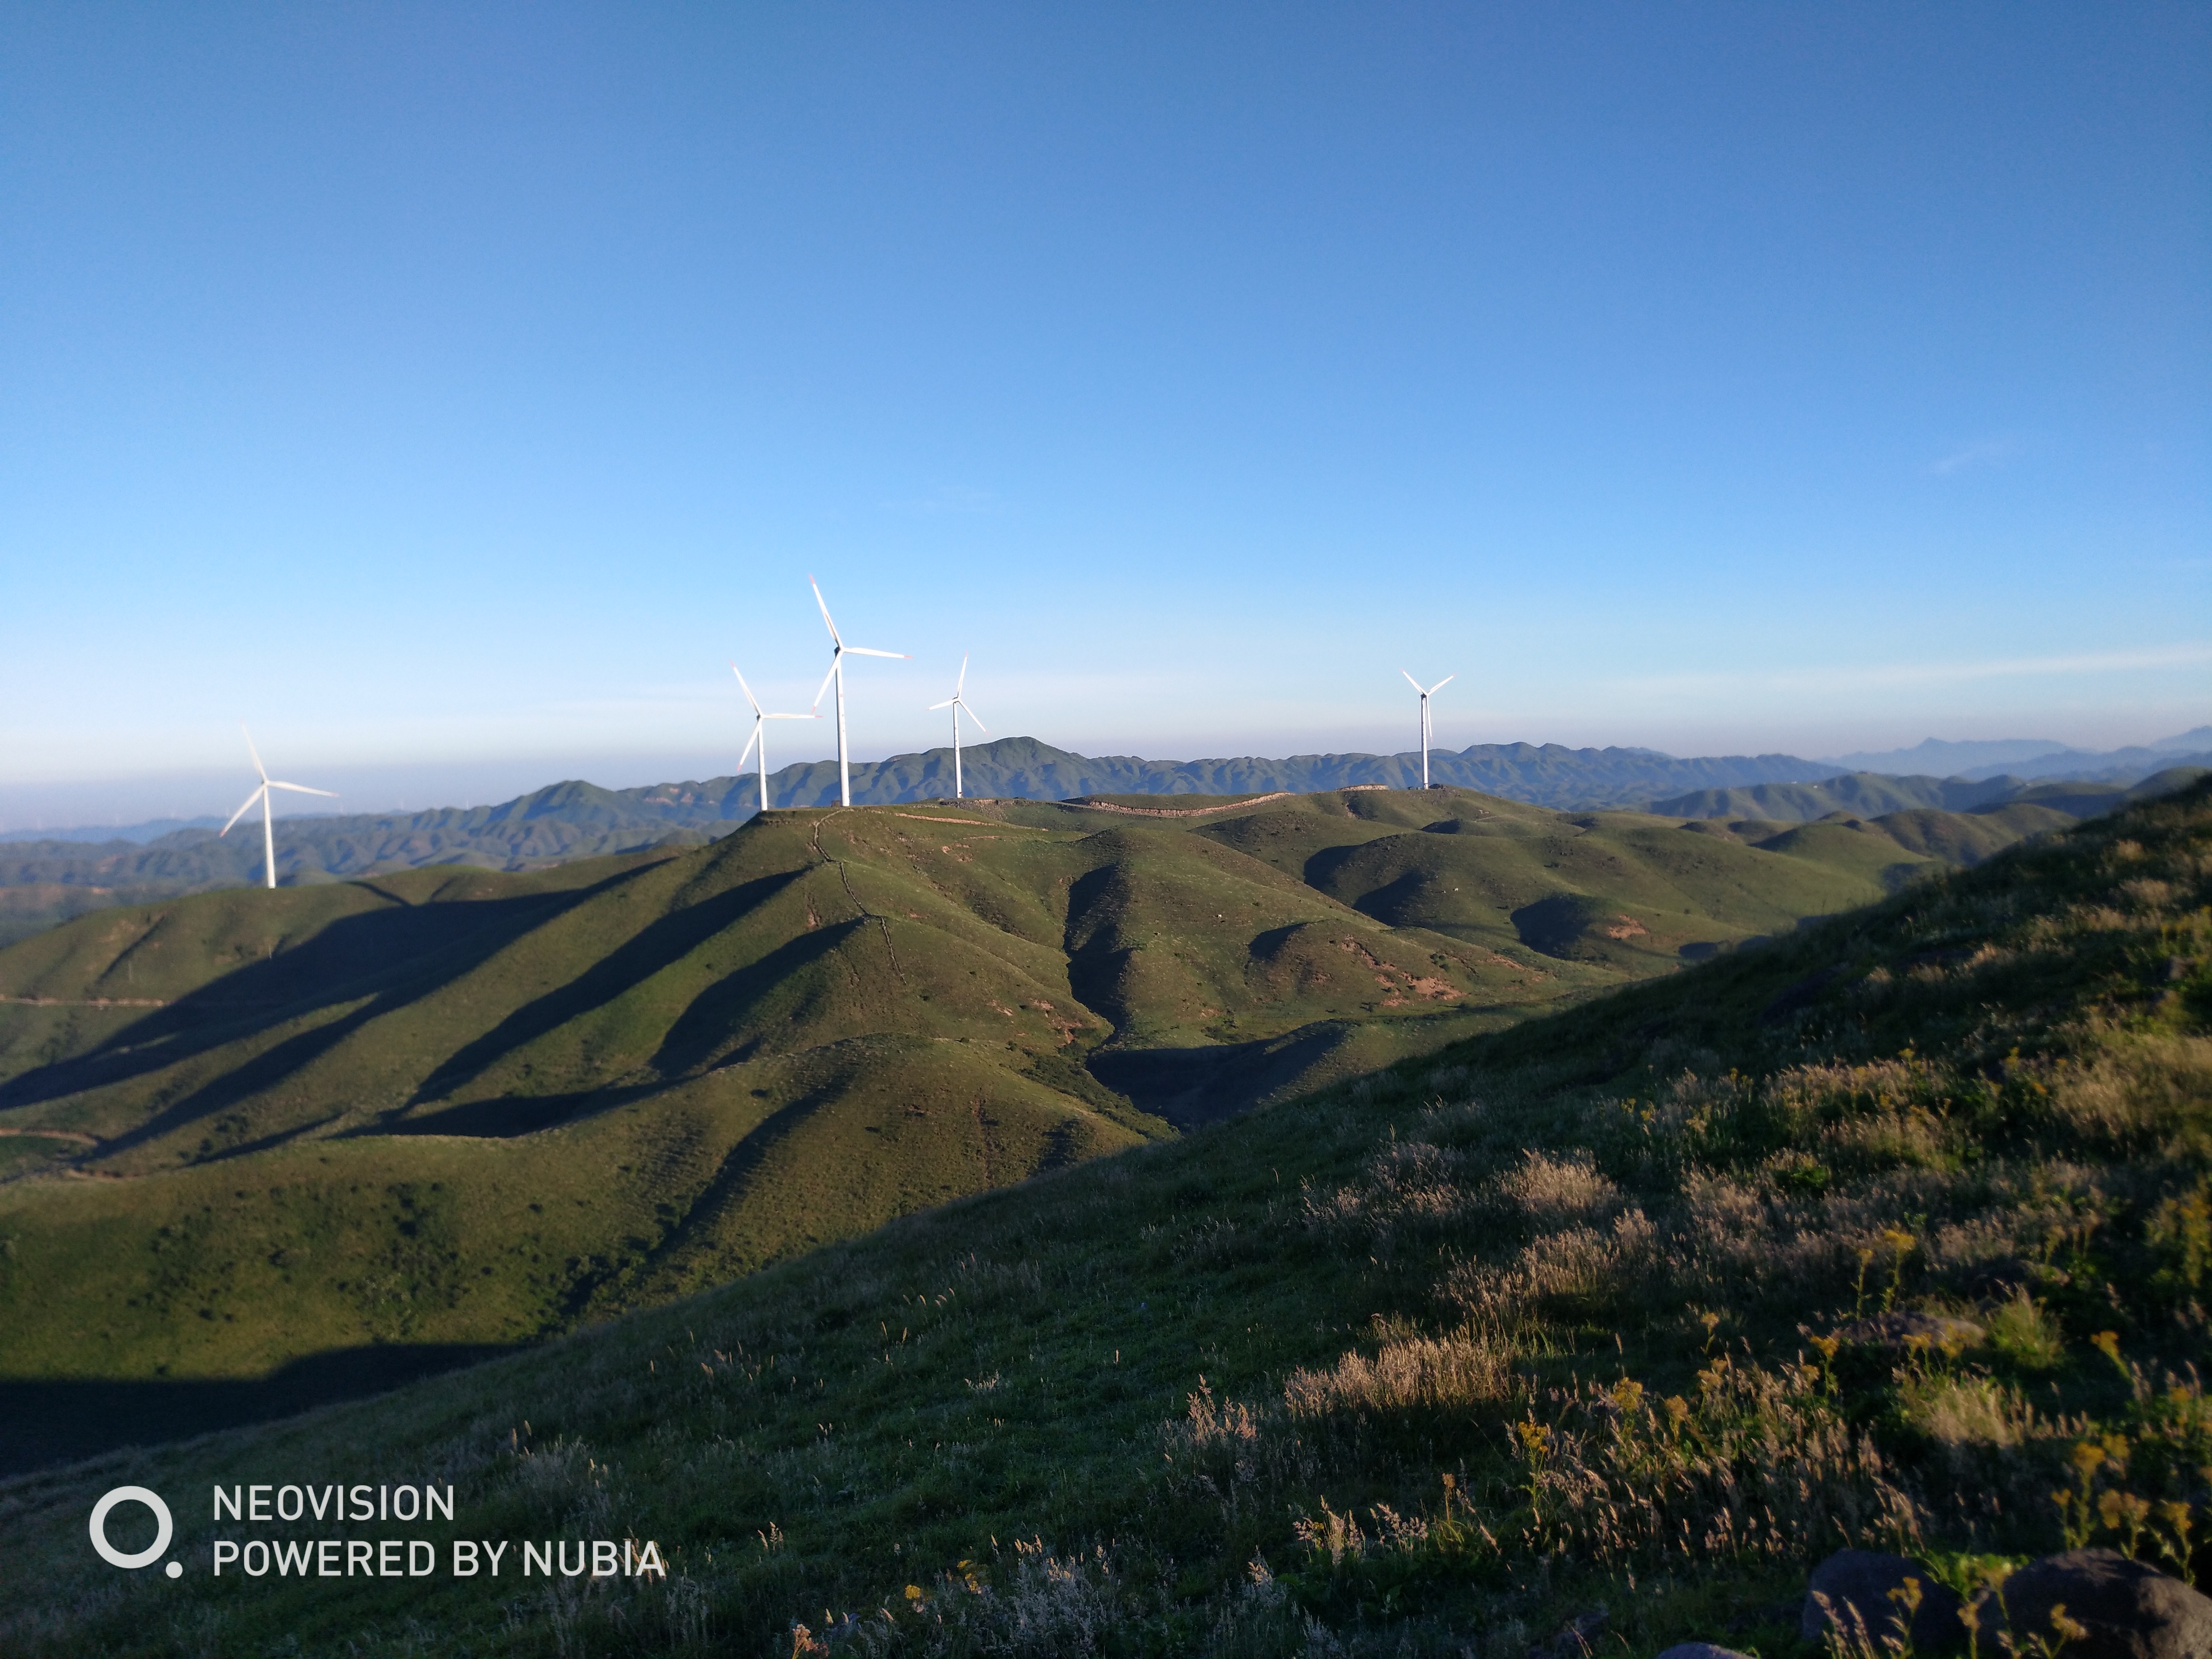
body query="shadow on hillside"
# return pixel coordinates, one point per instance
(1191, 1086)
(393, 957)
(654, 946)
(711, 1027)
(43, 1424)
(504, 1117)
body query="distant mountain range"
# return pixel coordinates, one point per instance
(48, 877)
(2027, 757)
(1547, 775)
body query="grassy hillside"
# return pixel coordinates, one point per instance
(45, 882)
(1891, 1232)
(445, 1109)
(1878, 796)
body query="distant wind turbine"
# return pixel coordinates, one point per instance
(1426, 739)
(268, 827)
(760, 735)
(838, 651)
(958, 708)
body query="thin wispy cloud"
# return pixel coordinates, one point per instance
(1990, 451)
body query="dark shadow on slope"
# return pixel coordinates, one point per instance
(729, 1184)
(396, 956)
(1409, 861)
(1096, 960)
(1191, 1086)
(653, 948)
(43, 1424)
(1556, 924)
(240, 1083)
(505, 1117)
(1403, 902)
(699, 1031)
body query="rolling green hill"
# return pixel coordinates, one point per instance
(1865, 794)
(43, 882)
(444, 1108)
(1868, 794)
(1863, 1237)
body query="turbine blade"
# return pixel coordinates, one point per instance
(790, 717)
(302, 789)
(824, 691)
(1411, 681)
(947, 703)
(256, 753)
(748, 753)
(974, 716)
(824, 604)
(863, 651)
(747, 689)
(961, 684)
(242, 811)
(1439, 685)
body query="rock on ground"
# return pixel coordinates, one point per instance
(2130, 1611)
(1862, 1594)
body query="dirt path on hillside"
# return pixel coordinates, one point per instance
(882, 923)
(94, 1002)
(1174, 811)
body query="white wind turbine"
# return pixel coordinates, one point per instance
(760, 735)
(838, 651)
(268, 828)
(1425, 695)
(958, 708)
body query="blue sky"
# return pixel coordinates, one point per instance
(450, 392)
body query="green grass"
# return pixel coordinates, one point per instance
(450, 1106)
(21, 1154)
(1601, 1270)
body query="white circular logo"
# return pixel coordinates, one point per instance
(163, 1527)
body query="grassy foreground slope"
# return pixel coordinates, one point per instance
(448, 1109)
(1895, 1232)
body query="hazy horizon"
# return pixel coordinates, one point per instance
(185, 796)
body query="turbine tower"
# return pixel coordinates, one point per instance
(760, 735)
(1425, 695)
(958, 708)
(268, 828)
(838, 651)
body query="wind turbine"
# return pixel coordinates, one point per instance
(838, 651)
(958, 708)
(1425, 695)
(760, 735)
(268, 828)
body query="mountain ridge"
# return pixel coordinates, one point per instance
(42, 881)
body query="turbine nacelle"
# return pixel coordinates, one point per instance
(838, 651)
(959, 707)
(761, 716)
(261, 793)
(1427, 693)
